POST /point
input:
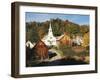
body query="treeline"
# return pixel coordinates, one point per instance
(37, 30)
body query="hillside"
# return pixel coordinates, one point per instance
(37, 30)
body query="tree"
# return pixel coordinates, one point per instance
(85, 40)
(31, 32)
(84, 29)
(41, 32)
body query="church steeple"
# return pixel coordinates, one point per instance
(50, 30)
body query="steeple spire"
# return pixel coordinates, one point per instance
(50, 30)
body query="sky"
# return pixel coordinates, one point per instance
(42, 17)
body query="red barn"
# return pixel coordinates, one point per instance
(41, 50)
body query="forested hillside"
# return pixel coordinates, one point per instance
(37, 30)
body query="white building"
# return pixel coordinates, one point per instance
(29, 44)
(49, 39)
(78, 40)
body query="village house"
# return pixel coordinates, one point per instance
(30, 44)
(64, 39)
(77, 40)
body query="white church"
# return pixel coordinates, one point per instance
(49, 39)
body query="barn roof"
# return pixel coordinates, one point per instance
(40, 43)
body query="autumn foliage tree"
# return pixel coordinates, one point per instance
(85, 40)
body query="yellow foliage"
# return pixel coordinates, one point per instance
(85, 40)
